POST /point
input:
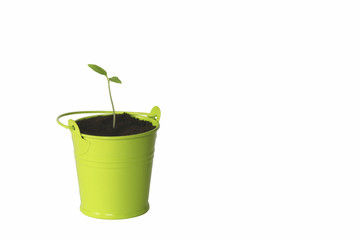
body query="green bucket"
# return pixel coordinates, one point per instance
(114, 172)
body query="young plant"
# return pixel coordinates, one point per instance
(113, 79)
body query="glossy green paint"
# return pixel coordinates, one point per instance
(114, 172)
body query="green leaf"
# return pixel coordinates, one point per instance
(115, 79)
(97, 69)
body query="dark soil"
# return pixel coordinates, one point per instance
(103, 125)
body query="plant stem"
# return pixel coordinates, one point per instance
(112, 104)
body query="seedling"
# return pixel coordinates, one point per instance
(113, 79)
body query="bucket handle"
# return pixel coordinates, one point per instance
(154, 114)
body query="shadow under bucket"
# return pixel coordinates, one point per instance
(114, 173)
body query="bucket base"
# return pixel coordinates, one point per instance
(113, 216)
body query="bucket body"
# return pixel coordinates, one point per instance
(114, 172)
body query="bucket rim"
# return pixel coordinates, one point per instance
(138, 135)
(153, 117)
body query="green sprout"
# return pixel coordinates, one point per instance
(113, 79)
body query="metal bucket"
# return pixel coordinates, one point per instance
(114, 172)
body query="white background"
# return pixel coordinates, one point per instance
(260, 124)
